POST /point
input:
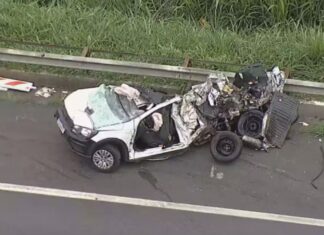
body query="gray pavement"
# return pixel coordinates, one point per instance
(26, 214)
(32, 152)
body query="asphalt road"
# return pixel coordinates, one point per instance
(25, 214)
(32, 152)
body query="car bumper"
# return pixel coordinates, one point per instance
(79, 144)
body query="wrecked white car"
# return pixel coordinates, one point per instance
(113, 124)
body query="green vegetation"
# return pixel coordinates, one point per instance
(289, 33)
(318, 130)
(236, 14)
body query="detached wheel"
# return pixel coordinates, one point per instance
(250, 124)
(226, 146)
(106, 159)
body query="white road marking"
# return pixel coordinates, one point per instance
(160, 204)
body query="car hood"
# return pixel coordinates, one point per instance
(76, 104)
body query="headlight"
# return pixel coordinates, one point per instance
(76, 129)
(86, 132)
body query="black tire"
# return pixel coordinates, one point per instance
(226, 146)
(106, 158)
(250, 124)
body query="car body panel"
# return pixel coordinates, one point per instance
(158, 150)
(123, 132)
(77, 102)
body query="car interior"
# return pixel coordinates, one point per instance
(147, 138)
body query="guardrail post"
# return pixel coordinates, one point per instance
(287, 72)
(187, 62)
(86, 52)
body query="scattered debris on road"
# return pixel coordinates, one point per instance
(12, 84)
(212, 171)
(253, 142)
(321, 171)
(304, 123)
(219, 175)
(45, 92)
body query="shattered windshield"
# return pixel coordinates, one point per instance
(109, 108)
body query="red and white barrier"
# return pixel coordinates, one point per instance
(7, 83)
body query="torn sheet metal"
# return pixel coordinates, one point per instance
(258, 85)
(212, 96)
(184, 133)
(277, 79)
(195, 97)
(188, 114)
(261, 89)
(199, 93)
(187, 135)
(220, 80)
(213, 99)
(12, 84)
(253, 88)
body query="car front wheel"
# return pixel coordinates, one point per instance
(106, 158)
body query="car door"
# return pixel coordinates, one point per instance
(156, 150)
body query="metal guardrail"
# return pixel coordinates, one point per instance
(136, 68)
(88, 63)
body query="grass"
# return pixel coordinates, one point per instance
(318, 130)
(161, 32)
(234, 14)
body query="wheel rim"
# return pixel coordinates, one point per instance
(225, 146)
(253, 126)
(103, 159)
